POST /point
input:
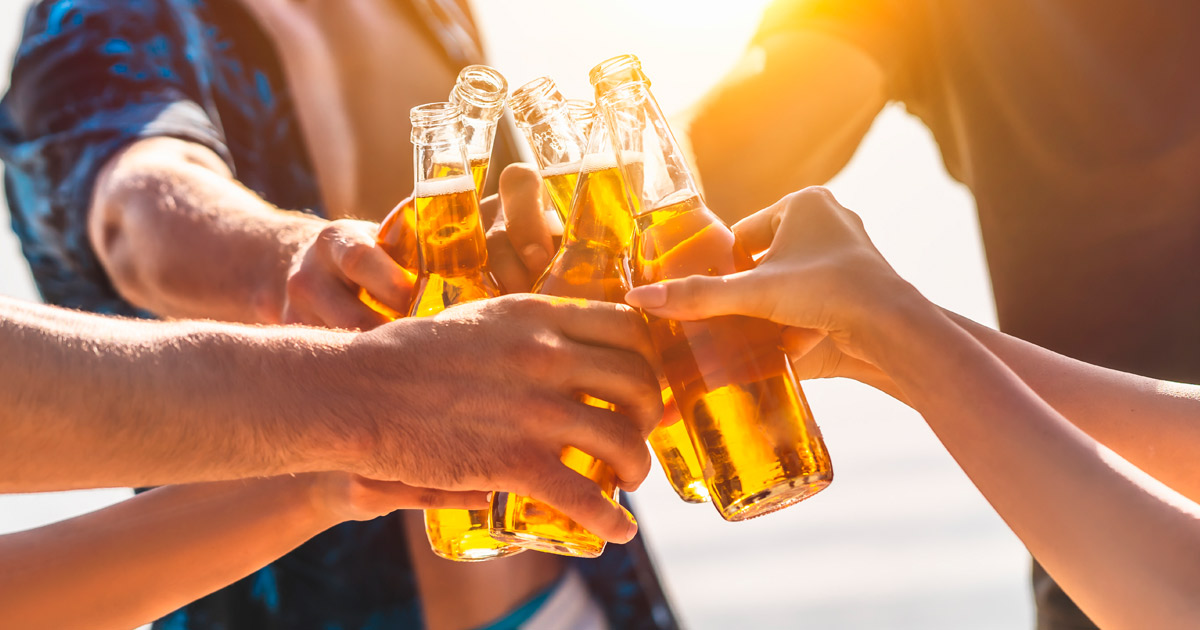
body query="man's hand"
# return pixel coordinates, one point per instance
(485, 396)
(326, 274)
(347, 256)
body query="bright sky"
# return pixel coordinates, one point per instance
(901, 540)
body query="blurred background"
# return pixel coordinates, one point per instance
(901, 539)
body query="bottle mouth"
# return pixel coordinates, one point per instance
(528, 102)
(435, 123)
(481, 86)
(616, 71)
(580, 109)
(431, 114)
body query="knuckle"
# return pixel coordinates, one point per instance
(353, 256)
(301, 284)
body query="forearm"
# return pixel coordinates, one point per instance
(1108, 532)
(779, 122)
(138, 560)
(179, 237)
(89, 401)
(1153, 424)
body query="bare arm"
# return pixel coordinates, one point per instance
(442, 402)
(140, 559)
(1122, 543)
(1154, 424)
(180, 237)
(91, 401)
(789, 115)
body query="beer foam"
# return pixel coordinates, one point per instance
(570, 168)
(444, 186)
(593, 162)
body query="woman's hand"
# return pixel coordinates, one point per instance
(821, 277)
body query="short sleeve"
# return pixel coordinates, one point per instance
(91, 76)
(889, 31)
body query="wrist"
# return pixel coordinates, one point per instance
(887, 326)
(295, 236)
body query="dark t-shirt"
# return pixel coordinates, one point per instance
(1076, 124)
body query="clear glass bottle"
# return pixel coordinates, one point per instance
(549, 124)
(453, 270)
(589, 265)
(758, 444)
(479, 93)
(543, 116)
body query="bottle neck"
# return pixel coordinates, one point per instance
(649, 155)
(450, 237)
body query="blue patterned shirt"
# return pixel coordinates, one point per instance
(92, 76)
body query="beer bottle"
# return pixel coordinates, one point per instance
(479, 93)
(582, 113)
(453, 270)
(589, 265)
(558, 146)
(758, 445)
(546, 119)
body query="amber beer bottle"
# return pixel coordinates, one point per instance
(551, 126)
(479, 93)
(752, 428)
(452, 255)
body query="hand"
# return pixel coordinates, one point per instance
(520, 241)
(484, 396)
(326, 274)
(821, 277)
(345, 496)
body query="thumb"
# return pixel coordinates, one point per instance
(701, 297)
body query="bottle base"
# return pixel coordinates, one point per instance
(694, 492)
(477, 547)
(572, 548)
(774, 498)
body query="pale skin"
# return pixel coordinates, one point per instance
(1110, 511)
(92, 401)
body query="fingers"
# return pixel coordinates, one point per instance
(604, 324)
(756, 231)
(507, 267)
(798, 342)
(611, 437)
(581, 499)
(619, 377)
(370, 267)
(524, 216)
(323, 300)
(701, 297)
(383, 497)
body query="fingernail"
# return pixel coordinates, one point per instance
(535, 256)
(632, 528)
(649, 296)
(490, 496)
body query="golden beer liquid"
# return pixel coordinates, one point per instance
(753, 432)
(397, 235)
(560, 181)
(588, 266)
(671, 445)
(453, 271)
(673, 448)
